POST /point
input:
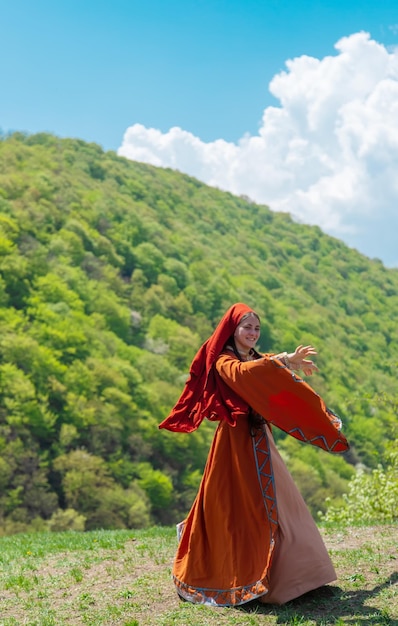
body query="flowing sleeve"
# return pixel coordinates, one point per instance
(283, 399)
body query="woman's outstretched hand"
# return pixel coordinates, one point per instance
(298, 359)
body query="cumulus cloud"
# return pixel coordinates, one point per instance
(328, 154)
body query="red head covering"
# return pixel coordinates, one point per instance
(205, 393)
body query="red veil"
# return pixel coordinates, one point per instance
(205, 394)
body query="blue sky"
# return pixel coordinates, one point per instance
(95, 69)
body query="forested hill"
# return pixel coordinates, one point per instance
(112, 273)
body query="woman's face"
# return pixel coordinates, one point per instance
(247, 333)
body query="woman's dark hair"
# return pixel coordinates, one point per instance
(242, 319)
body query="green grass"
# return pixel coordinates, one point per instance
(123, 578)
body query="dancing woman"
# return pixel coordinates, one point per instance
(249, 533)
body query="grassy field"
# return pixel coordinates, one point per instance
(123, 578)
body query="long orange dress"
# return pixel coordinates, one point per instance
(249, 533)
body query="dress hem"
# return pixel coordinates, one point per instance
(222, 597)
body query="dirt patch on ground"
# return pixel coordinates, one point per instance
(354, 538)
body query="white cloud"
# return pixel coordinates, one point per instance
(328, 154)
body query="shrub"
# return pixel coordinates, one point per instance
(69, 519)
(372, 497)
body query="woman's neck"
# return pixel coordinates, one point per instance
(244, 353)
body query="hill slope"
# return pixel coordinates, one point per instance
(111, 275)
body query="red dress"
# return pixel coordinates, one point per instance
(249, 533)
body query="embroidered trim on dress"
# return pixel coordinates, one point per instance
(221, 597)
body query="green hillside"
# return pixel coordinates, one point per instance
(112, 273)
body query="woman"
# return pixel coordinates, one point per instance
(249, 533)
